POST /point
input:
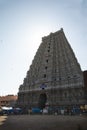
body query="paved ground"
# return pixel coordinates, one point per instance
(43, 122)
(2, 119)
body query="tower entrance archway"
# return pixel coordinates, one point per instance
(42, 100)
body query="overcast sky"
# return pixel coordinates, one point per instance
(23, 23)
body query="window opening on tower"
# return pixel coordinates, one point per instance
(47, 60)
(44, 75)
(46, 67)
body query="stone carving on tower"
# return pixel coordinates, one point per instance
(55, 76)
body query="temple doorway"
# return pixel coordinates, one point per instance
(42, 100)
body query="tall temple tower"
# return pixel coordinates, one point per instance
(55, 76)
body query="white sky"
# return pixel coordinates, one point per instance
(23, 23)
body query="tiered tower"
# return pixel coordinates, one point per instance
(55, 76)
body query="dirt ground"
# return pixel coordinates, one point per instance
(43, 122)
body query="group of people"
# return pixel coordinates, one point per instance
(74, 110)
